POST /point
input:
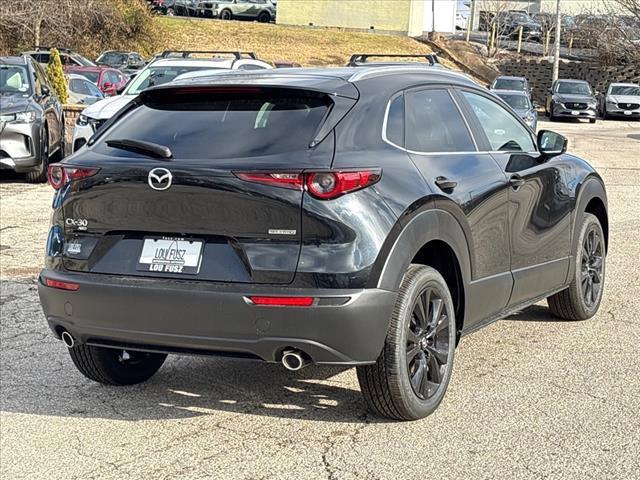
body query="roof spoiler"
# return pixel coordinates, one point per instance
(38, 48)
(360, 59)
(187, 53)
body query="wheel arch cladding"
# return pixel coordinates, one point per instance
(592, 199)
(434, 238)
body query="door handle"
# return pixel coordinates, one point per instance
(445, 184)
(516, 181)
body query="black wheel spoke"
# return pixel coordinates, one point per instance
(412, 352)
(420, 311)
(435, 375)
(418, 376)
(439, 354)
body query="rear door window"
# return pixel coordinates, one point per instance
(221, 126)
(434, 123)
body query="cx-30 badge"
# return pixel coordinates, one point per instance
(159, 179)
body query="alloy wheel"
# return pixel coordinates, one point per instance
(591, 267)
(427, 346)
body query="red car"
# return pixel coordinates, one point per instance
(108, 80)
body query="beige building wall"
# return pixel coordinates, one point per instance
(400, 16)
(576, 7)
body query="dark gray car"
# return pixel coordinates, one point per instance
(511, 83)
(520, 102)
(571, 99)
(30, 118)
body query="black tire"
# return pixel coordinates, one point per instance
(592, 120)
(389, 385)
(575, 302)
(226, 15)
(264, 17)
(39, 174)
(112, 366)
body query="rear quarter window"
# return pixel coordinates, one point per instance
(214, 126)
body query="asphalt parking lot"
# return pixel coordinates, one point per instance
(531, 397)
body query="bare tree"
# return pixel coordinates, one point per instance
(87, 25)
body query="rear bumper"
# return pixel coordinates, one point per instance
(345, 327)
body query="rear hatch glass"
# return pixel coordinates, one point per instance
(221, 227)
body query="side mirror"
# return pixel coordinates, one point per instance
(45, 91)
(107, 85)
(551, 144)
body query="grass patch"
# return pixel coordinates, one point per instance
(307, 46)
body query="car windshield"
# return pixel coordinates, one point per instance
(633, 90)
(508, 84)
(83, 61)
(574, 88)
(520, 17)
(154, 76)
(222, 126)
(515, 101)
(92, 76)
(113, 58)
(14, 80)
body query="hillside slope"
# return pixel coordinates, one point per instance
(304, 45)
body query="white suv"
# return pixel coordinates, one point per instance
(165, 68)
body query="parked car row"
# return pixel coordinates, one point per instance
(109, 73)
(570, 98)
(263, 11)
(40, 138)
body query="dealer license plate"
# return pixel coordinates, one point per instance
(627, 112)
(171, 255)
(575, 112)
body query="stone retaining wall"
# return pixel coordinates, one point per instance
(71, 113)
(539, 73)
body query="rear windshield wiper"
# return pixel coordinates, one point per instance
(146, 148)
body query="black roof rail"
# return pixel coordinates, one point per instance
(39, 48)
(360, 59)
(187, 53)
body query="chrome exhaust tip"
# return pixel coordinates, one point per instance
(67, 339)
(294, 360)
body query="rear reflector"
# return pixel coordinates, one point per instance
(61, 285)
(282, 301)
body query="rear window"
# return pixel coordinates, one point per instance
(220, 126)
(508, 84)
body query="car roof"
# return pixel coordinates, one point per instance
(14, 60)
(616, 84)
(520, 93)
(568, 80)
(338, 81)
(87, 68)
(192, 62)
(507, 77)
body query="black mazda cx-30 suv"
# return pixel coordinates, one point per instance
(365, 217)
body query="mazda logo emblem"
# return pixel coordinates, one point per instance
(159, 179)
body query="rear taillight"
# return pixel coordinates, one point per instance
(325, 185)
(328, 185)
(59, 175)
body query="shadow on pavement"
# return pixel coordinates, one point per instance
(186, 387)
